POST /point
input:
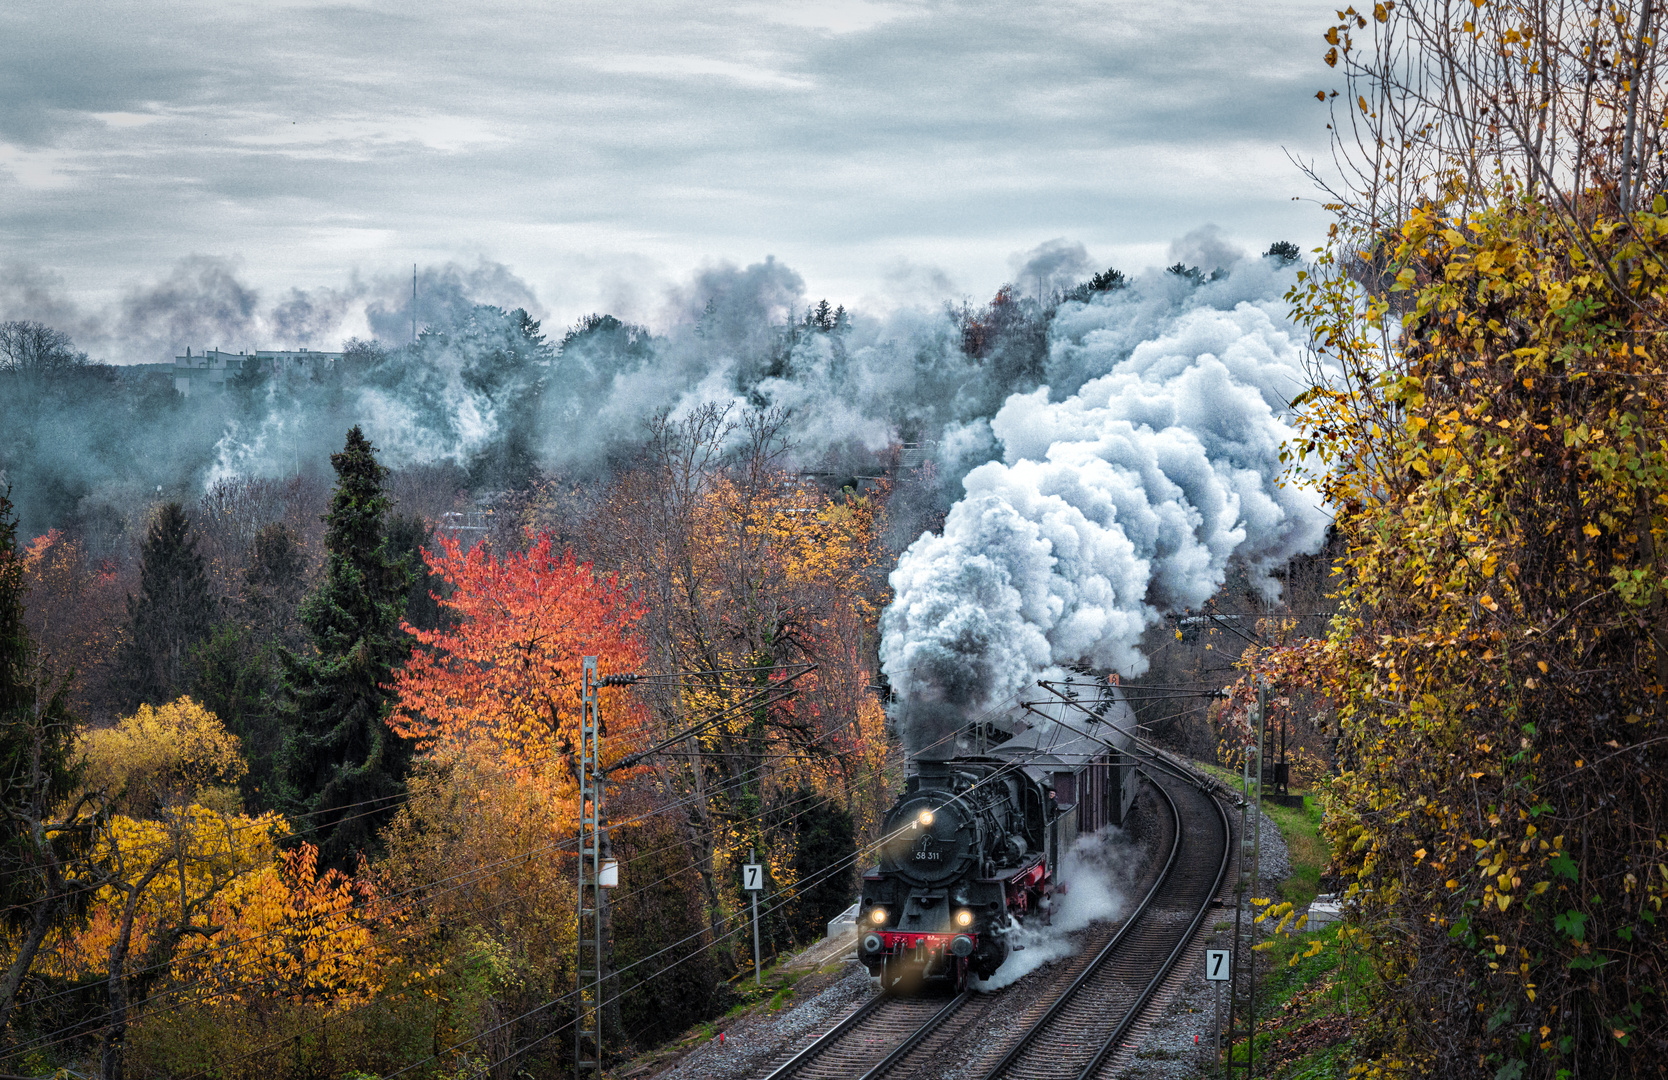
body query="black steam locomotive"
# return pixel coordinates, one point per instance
(974, 843)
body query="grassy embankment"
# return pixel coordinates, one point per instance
(1308, 1005)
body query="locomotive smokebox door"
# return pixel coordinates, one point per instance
(934, 840)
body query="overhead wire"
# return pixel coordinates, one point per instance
(554, 846)
(481, 874)
(785, 898)
(787, 894)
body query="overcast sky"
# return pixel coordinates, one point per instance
(602, 153)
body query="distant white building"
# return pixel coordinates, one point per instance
(209, 369)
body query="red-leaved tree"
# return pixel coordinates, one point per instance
(506, 679)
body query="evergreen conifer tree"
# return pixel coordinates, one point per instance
(238, 673)
(173, 613)
(408, 534)
(341, 764)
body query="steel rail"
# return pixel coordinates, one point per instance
(1105, 953)
(829, 1039)
(1133, 1012)
(921, 1033)
(1118, 1033)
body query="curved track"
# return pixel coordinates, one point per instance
(1085, 1024)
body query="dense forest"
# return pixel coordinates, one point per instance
(291, 750)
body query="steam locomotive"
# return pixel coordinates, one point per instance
(973, 845)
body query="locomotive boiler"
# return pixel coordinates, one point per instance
(973, 845)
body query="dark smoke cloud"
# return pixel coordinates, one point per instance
(1206, 248)
(31, 293)
(90, 448)
(201, 301)
(911, 284)
(1052, 266)
(445, 295)
(312, 318)
(733, 309)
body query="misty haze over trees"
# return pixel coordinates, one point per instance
(316, 698)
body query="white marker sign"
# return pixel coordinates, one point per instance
(1217, 964)
(752, 876)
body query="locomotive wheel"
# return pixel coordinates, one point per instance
(900, 975)
(890, 974)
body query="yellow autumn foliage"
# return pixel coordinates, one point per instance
(1499, 667)
(288, 932)
(178, 752)
(170, 871)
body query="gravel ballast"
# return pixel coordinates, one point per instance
(1174, 1040)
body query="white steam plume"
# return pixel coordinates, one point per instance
(1126, 500)
(1091, 873)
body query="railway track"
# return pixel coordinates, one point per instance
(1085, 1024)
(871, 1040)
(899, 1036)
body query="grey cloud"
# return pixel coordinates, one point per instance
(277, 133)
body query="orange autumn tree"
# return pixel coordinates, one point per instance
(753, 576)
(289, 932)
(506, 679)
(482, 854)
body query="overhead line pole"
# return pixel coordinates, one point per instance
(588, 1005)
(598, 873)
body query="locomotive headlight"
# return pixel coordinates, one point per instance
(925, 818)
(964, 917)
(878, 916)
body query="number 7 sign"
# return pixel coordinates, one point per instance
(752, 876)
(1217, 964)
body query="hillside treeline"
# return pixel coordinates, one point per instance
(289, 763)
(330, 824)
